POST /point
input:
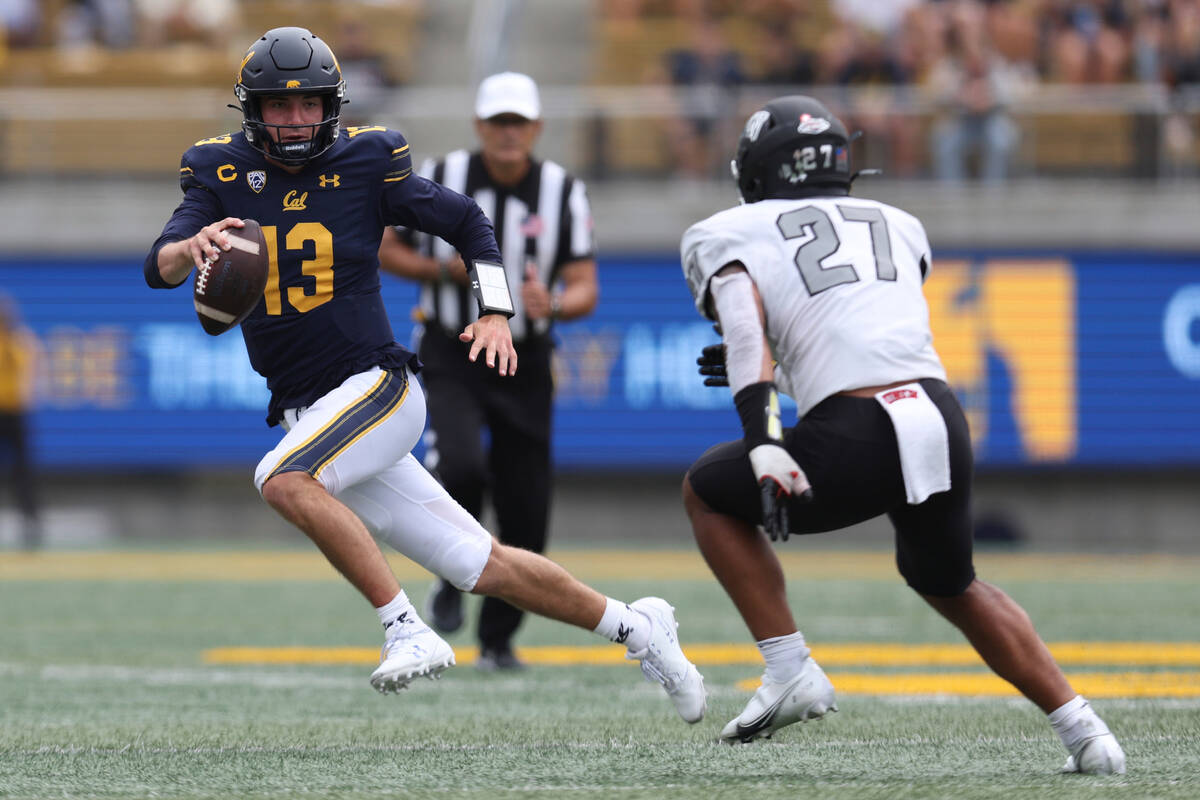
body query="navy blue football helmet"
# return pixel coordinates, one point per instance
(290, 61)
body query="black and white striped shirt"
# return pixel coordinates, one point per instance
(546, 219)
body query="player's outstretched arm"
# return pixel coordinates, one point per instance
(749, 373)
(398, 257)
(490, 333)
(176, 259)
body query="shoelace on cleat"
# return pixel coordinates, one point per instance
(651, 670)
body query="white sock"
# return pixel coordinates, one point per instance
(398, 607)
(1075, 721)
(784, 656)
(623, 625)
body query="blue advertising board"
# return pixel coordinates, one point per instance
(1060, 358)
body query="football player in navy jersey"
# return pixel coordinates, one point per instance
(342, 389)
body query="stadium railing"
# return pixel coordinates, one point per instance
(603, 131)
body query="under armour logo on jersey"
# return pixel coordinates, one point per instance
(292, 201)
(327, 181)
(622, 633)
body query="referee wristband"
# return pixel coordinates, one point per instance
(758, 408)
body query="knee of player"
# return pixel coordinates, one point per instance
(497, 572)
(282, 489)
(471, 565)
(945, 587)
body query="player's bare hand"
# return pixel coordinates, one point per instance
(490, 334)
(211, 241)
(535, 295)
(779, 479)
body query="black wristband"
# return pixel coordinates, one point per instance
(758, 408)
(489, 284)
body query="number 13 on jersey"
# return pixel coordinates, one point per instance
(319, 268)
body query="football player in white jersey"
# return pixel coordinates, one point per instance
(819, 294)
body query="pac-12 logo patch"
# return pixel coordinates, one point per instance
(257, 180)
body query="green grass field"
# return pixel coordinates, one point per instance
(128, 675)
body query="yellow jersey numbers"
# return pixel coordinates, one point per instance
(319, 268)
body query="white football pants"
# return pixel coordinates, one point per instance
(357, 441)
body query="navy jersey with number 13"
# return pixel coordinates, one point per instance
(321, 318)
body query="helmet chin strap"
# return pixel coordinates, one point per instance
(300, 148)
(292, 153)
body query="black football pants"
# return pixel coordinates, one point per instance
(847, 448)
(466, 398)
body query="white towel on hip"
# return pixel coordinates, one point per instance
(922, 438)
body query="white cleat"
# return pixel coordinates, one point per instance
(412, 650)
(663, 660)
(1097, 755)
(807, 696)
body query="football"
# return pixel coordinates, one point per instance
(225, 291)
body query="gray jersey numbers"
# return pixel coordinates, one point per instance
(840, 281)
(824, 241)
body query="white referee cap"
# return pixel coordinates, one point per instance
(508, 93)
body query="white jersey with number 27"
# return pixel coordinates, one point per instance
(840, 280)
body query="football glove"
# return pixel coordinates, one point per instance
(712, 365)
(779, 478)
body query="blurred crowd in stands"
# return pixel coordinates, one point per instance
(965, 64)
(969, 59)
(222, 27)
(903, 41)
(115, 23)
(145, 23)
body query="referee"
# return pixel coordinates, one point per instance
(543, 225)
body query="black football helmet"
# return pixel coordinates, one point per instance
(792, 147)
(290, 61)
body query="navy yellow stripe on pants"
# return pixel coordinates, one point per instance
(355, 421)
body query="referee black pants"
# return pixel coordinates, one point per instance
(14, 448)
(466, 399)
